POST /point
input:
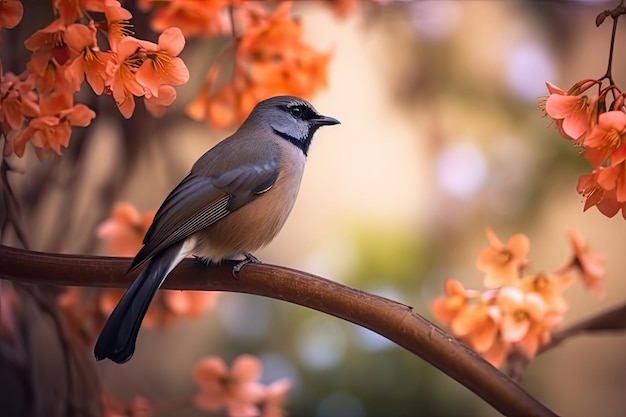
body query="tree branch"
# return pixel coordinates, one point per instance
(611, 320)
(395, 321)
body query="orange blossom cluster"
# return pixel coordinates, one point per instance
(518, 310)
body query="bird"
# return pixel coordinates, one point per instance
(235, 200)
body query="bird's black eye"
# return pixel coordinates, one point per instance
(296, 112)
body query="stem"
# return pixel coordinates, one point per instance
(615, 14)
(397, 322)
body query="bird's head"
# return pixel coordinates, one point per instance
(292, 118)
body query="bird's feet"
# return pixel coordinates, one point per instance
(248, 258)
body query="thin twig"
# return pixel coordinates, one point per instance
(397, 322)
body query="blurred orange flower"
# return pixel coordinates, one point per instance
(589, 264)
(477, 324)
(519, 310)
(51, 130)
(11, 12)
(193, 17)
(237, 390)
(550, 287)
(502, 263)
(124, 231)
(503, 322)
(275, 393)
(270, 59)
(446, 308)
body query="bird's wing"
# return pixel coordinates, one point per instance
(199, 201)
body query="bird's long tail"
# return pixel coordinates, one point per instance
(118, 337)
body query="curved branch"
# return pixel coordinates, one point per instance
(397, 322)
(612, 320)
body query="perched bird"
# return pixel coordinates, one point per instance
(235, 200)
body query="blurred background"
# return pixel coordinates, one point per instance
(440, 138)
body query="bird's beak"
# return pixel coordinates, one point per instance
(326, 120)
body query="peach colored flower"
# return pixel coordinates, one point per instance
(589, 264)
(605, 200)
(502, 263)
(121, 71)
(187, 304)
(48, 44)
(238, 390)
(550, 287)
(275, 393)
(447, 307)
(194, 17)
(51, 130)
(497, 353)
(537, 335)
(606, 139)
(17, 101)
(91, 62)
(72, 10)
(478, 324)
(519, 311)
(125, 229)
(157, 105)
(613, 178)
(270, 59)
(571, 109)
(137, 407)
(117, 22)
(162, 65)
(11, 12)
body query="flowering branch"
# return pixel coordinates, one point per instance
(611, 320)
(395, 321)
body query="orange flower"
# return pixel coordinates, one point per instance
(72, 10)
(478, 324)
(503, 263)
(121, 70)
(11, 12)
(117, 22)
(446, 308)
(157, 105)
(595, 194)
(613, 178)
(125, 229)
(187, 303)
(162, 65)
(137, 407)
(520, 310)
(193, 17)
(589, 264)
(17, 101)
(270, 59)
(47, 45)
(550, 287)
(91, 62)
(273, 405)
(607, 139)
(238, 389)
(571, 109)
(51, 130)
(497, 353)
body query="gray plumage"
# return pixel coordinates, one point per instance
(235, 200)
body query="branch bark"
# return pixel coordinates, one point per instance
(397, 322)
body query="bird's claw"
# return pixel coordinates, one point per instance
(249, 258)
